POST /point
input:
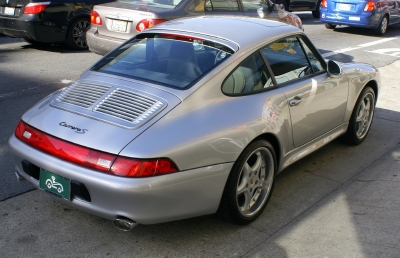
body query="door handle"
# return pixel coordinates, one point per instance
(295, 101)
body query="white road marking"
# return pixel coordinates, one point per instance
(358, 47)
(387, 51)
(65, 81)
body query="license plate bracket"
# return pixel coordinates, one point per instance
(54, 184)
(9, 11)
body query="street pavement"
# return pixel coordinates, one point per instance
(338, 202)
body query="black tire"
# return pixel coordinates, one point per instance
(76, 35)
(316, 13)
(330, 26)
(361, 118)
(383, 25)
(250, 184)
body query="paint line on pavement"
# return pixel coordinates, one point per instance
(358, 47)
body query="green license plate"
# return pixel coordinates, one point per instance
(54, 184)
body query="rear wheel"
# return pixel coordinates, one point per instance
(250, 183)
(361, 118)
(76, 35)
(330, 26)
(383, 25)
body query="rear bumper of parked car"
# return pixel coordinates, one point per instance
(28, 27)
(101, 44)
(365, 20)
(147, 200)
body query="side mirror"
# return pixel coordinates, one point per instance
(334, 69)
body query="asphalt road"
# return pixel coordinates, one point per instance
(29, 73)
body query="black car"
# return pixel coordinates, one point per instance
(57, 21)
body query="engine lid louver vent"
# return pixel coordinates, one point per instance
(124, 107)
(128, 105)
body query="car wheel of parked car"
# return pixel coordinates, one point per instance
(316, 13)
(76, 35)
(250, 183)
(361, 118)
(382, 26)
(330, 26)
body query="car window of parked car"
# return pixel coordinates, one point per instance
(221, 5)
(251, 5)
(166, 4)
(168, 59)
(290, 58)
(250, 76)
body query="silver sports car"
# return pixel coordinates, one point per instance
(195, 116)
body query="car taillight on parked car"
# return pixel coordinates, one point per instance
(148, 23)
(369, 7)
(324, 3)
(93, 159)
(95, 18)
(35, 8)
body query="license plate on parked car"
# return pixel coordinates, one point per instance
(119, 26)
(9, 11)
(345, 7)
(54, 184)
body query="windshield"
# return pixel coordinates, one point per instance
(167, 4)
(168, 59)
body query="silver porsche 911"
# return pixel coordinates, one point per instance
(195, 116)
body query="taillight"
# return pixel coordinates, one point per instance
(324, 3)
(148, 23)
(95, 18)
(369, 7)
(97, 160)
(35, 8)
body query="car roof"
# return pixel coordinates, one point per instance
(243, 31)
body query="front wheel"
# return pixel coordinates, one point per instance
(250, 183)
(330, 26)
(76, 35)
(383, 25)
(361, 118)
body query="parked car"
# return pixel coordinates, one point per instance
(301, 5)
(373, 14)
(55, 21)
(114, 23)
(191, 117)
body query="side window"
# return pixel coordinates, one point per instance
(221, 5)
(287, 59)
(315, 63)
(252, 5)
(250, 76)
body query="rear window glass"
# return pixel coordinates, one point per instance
(167, 4)
(168, 59)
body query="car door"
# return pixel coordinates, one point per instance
(222, 7)
(317, 102)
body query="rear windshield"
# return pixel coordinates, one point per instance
(167, 4)
(168, 59)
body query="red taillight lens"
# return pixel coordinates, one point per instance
(369, 7)
(95, 18)
(324, 3)
(148, 23)
(142, 168)
(35, 8)
(90, 158)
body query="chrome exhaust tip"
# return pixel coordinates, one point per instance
(19, 176)
(124, 224)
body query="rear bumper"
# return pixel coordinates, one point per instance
(27, 27)
(101, 44)
(365, 20)
(149, 200)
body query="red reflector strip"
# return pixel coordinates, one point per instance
(97, 160)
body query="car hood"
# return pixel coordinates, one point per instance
(101, 112)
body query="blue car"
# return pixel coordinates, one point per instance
(373, 14)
